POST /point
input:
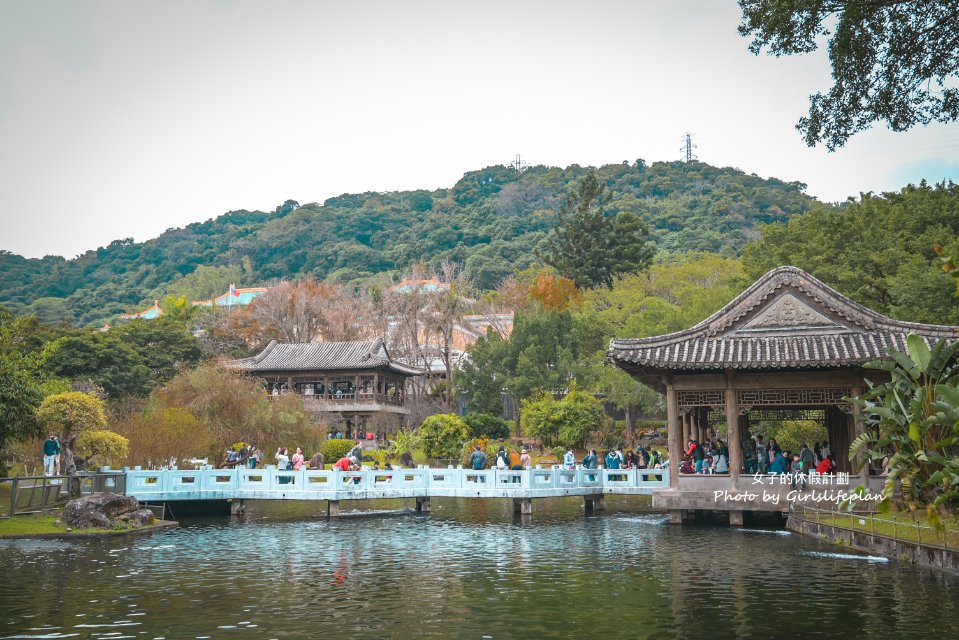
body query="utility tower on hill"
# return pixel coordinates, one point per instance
(518, 164)
(687, 148)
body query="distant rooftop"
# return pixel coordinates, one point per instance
(323, 356)
(233, 297)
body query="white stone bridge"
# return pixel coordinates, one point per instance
(421, 484)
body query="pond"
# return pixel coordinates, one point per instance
(471, 569)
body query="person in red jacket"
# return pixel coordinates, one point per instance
(825, 466)
(343, 464)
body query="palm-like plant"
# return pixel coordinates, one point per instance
(404, 441)
(914, 418)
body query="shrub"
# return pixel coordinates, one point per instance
(404, 441)
(565, 422)
(483, 424)
(443, 435)
(333, 450)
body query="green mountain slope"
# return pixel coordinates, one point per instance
(491, 221)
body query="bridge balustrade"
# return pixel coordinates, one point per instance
(274, 484)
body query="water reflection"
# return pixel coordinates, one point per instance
(469, 570)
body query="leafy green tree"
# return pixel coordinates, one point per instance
(879, 251)
(483, 424)
(791, 435)
(73, 413)
(443, 435)
(130, 359)
(107, 360)
(545, 352)
(567, 422)
(591, 249)
(20, 391)
(103, 447)
(20, 396)
(622, 390)
(895, 61)
(484, 375)
(164, 345)
(670, 296)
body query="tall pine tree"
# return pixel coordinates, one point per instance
(592, 249)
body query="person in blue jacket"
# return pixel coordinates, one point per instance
(778, 465)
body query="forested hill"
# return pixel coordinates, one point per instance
(491, 221)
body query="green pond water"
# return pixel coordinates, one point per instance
(471, 569)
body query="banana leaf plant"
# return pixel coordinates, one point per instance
(914, 419)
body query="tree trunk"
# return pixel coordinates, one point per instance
(68, 466)
(630, 425)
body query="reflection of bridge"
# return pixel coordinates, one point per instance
(419, 484)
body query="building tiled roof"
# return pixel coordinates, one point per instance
(235, 297)
(786, 320)
(323, 356)
(148, 314)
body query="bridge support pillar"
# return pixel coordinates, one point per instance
(594, 503)
(523, 506)
(333, 509)
(735, 518)
(675, 516)
(422, 505)
(237, 508)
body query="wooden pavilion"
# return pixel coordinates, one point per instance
(354, 381)
(788, 347)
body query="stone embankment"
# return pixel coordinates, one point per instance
(920, 553)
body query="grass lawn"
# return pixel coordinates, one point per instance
(901, 525)
(43, 523)
(37, 523)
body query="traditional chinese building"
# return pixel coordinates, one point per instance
(788, 347)
(354, 383)
(234, 297)
(147, 314)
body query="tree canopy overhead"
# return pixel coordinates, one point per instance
(893, 61)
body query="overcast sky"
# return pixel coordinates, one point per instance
(123, 119)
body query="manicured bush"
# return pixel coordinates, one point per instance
(335, 449)
(567, 422)
(443, 435)
(483, 424)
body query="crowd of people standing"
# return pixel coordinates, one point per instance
(759, 456)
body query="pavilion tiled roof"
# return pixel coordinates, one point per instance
(323, 356)
(786, 320)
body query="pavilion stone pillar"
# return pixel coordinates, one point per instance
(687, 428)
(674, 429)
(733, 439)
(694, 427)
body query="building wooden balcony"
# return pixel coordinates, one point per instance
(359, 402)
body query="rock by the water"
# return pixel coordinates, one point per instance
(141, 518)
(99, 510)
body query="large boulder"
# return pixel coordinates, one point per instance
(98, 510)
(137, 519)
